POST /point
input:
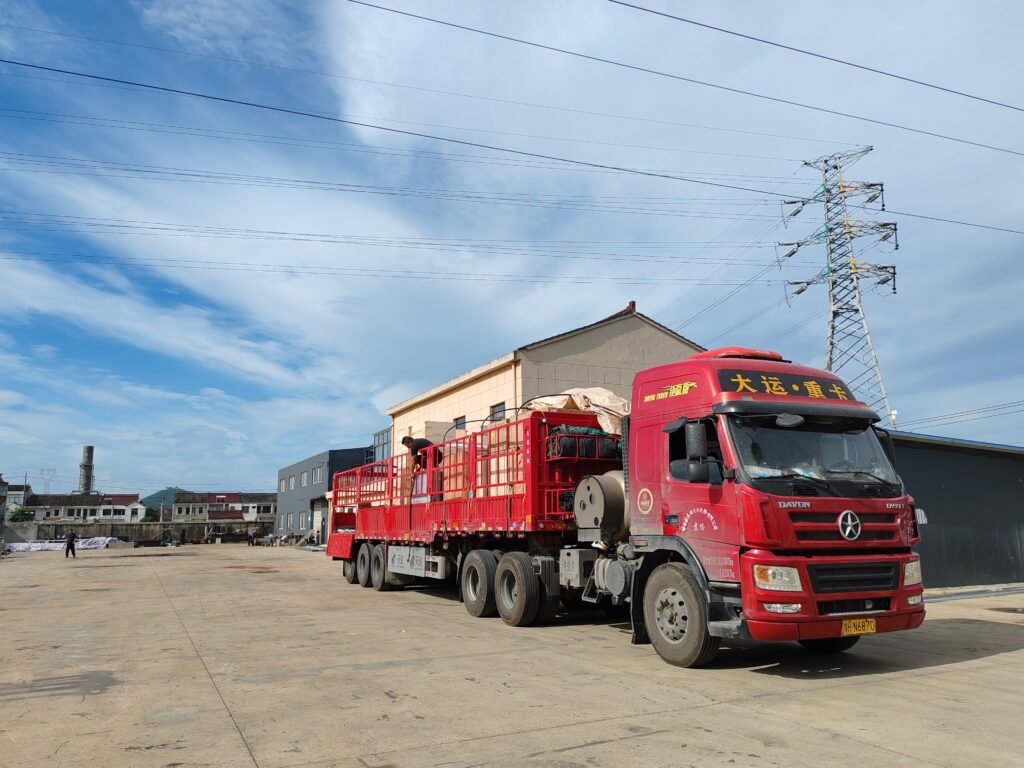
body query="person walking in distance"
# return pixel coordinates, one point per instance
(69, 544)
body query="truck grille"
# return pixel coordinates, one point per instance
(853, 577)
(844, 607)
(823, 526)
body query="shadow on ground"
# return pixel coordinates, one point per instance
(937, 642)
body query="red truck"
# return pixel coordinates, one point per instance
(747, 497)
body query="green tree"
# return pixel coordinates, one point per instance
(22, 515)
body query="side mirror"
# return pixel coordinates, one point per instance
(696, 441)
(698, 472)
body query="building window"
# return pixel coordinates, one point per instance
(291, 483)
(302, 521)
(305, 479)
(497, 412)
(382, 444)
(460, 422)
(291, 520)
(281, 485)
(318, 475)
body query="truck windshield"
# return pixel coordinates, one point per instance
(832, 456)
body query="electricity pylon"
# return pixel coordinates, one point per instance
(849, 350)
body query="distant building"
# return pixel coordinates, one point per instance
(16, 495)
(87, 507)
(223, 505)
(302, 490)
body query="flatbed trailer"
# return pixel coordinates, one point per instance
(746, 497)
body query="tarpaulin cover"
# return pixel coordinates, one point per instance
(609, 407)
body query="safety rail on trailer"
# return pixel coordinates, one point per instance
(508, 479)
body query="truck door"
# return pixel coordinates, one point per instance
(704, 514)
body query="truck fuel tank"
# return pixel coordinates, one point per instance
(601, 508)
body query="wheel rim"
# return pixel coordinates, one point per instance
(671, 614)
(472, 583)
(509, 589)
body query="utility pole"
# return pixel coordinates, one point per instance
(849, 350)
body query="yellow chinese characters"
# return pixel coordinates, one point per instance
(673, 390)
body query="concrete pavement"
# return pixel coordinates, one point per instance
(236, 656)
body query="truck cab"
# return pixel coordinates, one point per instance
(763, 503)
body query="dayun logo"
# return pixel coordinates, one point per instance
(794, 505)
(849, 525)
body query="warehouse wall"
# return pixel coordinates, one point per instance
(606, 356)
(472, 399)
(974, 499)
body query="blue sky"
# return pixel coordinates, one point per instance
(176, 285)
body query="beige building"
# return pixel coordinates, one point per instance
(604, 354)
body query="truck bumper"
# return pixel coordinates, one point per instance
(809, 630)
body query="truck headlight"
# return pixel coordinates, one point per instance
(778, 578)
(912, 573)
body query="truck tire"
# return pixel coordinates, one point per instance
(516, 589)
(675, 614)
(348, 570)
(379, 569)
(829, 644)
(363, 564)
(478, 583)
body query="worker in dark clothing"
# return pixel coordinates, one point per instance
(69, 544)
(420, 448)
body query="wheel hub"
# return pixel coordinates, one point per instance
(671, 614)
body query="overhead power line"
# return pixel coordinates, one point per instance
(693, 81)
(555, 158)
(992, 410)
(310, 270)
(816, 55)
(406, 86)
(642, 205)
(360, 124)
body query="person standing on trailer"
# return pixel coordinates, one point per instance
(69, 544)
(419, 450)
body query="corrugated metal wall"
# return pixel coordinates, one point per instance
(974, 499)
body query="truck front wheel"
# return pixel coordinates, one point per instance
(516, 589)
(675, 614)
(829, 644)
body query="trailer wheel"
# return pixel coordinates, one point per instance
(348, 570)
(829, 644)
(378, 569)
(478, 583)
(363, 564)
(516, 589)
(675, 614)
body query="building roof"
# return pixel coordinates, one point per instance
(190, 497)
(63, 500)
(956, 442)
(121, 498)
(499, 362)
(259, 498)
(629, 311)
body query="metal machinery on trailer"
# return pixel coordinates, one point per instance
(747, 497)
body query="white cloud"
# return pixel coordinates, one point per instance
(262, 29)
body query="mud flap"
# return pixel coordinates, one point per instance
(636, 608)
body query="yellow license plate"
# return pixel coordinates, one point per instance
(858, 627)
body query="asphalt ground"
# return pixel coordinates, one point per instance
(236, 656)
